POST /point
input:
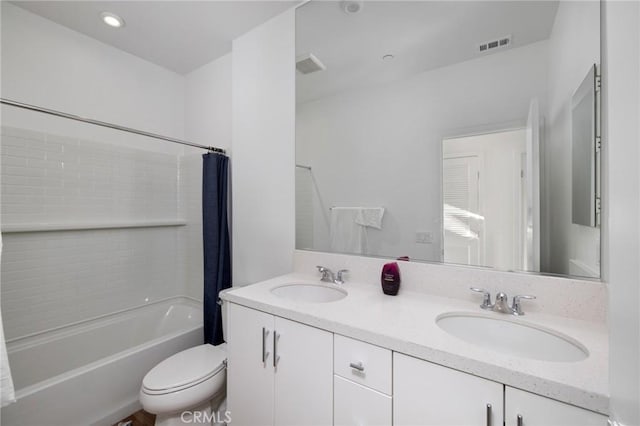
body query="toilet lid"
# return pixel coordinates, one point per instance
(189, 366)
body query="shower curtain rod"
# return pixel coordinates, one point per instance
(108, 125)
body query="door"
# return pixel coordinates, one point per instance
(303, 375)
(250, 381)
(537, 410)
(426, 394)
(462, 222)
(531, 258)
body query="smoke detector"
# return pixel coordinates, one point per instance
(308, 63)
(352, 6)
(495, 44)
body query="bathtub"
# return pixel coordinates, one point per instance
(90, 373)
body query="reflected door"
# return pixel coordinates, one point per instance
(461, 215)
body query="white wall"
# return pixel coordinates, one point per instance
(574, 46)
(621, 236)
(263, 150)
(51, 279)
(207, 119)
(394, 134)
(46, 64)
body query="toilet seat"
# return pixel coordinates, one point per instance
(184, 370)
(185, 379)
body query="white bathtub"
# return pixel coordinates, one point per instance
(90, 373)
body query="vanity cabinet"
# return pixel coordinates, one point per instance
(284, 373)
(431, 395)
(362, 383)
(279, 372)
(535, 410)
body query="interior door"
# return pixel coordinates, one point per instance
(532, 198)
(463, 225)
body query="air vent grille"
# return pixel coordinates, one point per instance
(308, 63)
(494, 44)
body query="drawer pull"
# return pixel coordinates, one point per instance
(276, 357)
(357, 366)
(488, 414)
(265, 354)
(519, 419)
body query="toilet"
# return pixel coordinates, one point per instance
(188, 388)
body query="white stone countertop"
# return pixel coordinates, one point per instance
(406, 323)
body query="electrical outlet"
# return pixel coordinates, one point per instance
(424, 237)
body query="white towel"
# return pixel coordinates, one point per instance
(346, 235)
(7, 393)
(370, 217)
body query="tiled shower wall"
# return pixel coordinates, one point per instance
(50, 279)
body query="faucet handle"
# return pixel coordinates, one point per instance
(339, 278)
(516, 307)
(486, 301)
(327, 275)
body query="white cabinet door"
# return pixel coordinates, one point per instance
(250, 383)
(303, 375)
(540, 411)
(429, 394)
(357, 405)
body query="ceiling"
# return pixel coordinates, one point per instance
(422, 35)
(178, 35)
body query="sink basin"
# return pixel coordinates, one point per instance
(305, 292)
(512, 337)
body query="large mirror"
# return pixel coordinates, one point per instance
(442, 132)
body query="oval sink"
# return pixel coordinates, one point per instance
(513, 338)
(315, 293)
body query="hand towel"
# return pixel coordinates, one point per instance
(370, 216)
(346, 235)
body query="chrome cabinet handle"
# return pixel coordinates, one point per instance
(265, 354)
(488, 414)
(276, 357)
(357, 366)
(486, 300)
(519, 422)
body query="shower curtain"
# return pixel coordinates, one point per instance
(215, 232)
(7, 394)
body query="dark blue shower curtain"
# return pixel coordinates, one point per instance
(215, 234)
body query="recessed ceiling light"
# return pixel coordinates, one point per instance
(112, 20)
(388, 57)
(352, 6)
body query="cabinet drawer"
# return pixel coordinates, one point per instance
(362, 363)
(356, 405)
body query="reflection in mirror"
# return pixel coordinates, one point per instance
(442, 131)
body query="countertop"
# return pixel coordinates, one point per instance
(406, 323)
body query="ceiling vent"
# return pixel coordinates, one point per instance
(495, 44)
(308, 63)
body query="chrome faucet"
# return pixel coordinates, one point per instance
(502, 302)
(330, 277)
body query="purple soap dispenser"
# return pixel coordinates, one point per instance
(390, 278)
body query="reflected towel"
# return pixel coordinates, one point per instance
(346, 235)
(7, 394)
(370, 216)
